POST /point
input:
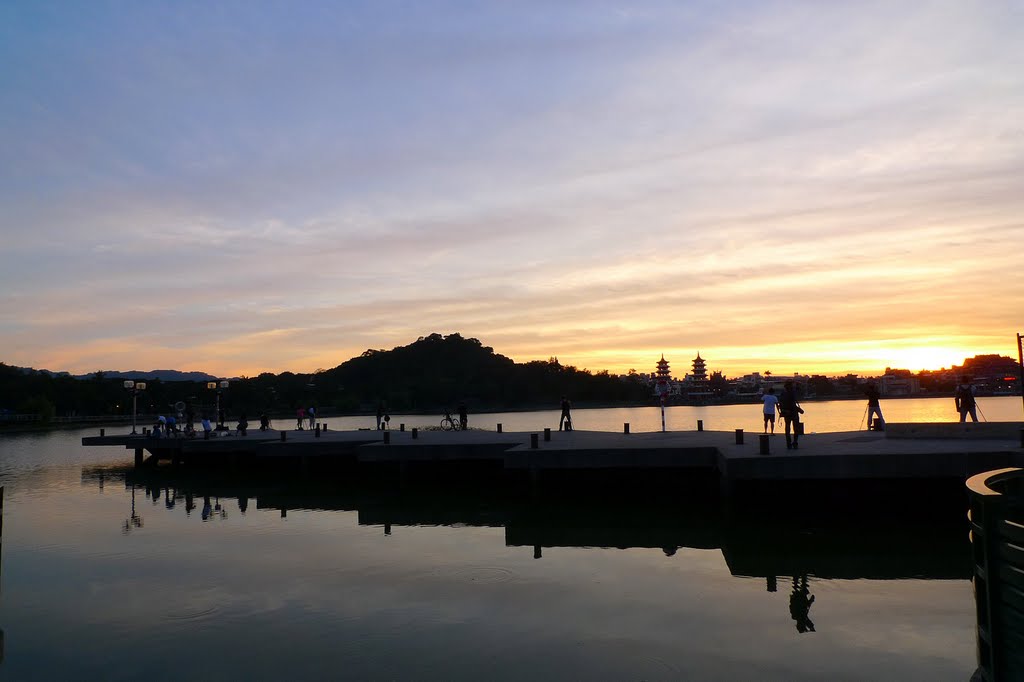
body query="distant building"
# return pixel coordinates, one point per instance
(893, 385)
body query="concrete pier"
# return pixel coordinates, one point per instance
(902, 452)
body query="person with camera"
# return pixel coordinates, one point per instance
(791, 411)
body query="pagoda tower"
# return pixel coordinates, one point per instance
(663, 371)
(700, 370)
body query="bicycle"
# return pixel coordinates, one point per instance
(450, 424)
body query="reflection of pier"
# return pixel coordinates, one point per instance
(752, 546)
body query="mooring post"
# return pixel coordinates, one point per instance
(401, 427)
(325, 426)
(1021, 432)
(387, 438)
(103, 432)
(138, 457)
(317, 433)
(547, 434)
(415, 433)
(206, 435)
(700, 424)
(284, 436)
(536, 552)
(739, 436)
(625, 427)
(533, 441)
(765, 444)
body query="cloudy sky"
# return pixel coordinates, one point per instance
(258, 186)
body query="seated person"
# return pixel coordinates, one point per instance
(264, 422)
(207, 427)
(157, 429)
(243, 425)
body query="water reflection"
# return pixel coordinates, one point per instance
(800, 600)
(762, 546)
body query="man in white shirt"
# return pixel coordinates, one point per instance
(771, 401)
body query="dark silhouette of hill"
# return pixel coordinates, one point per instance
(433, 373)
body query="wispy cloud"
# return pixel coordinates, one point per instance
(236, 189)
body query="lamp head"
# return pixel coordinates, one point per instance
(128, 383)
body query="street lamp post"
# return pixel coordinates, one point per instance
(134, 387)
(218, 386)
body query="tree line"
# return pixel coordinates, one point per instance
(431, 374)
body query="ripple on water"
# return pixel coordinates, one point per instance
(484, 575)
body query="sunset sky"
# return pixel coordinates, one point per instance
(268, 186)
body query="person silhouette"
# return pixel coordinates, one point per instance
(791, 411)
(463, 416)
(964, 399)
(800, 600)
(565, 418)
(871, 391)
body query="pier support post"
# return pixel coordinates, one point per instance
(547, 434)
(1021, 432)
(536, 552)
(533, 441)
(1022, 438)
(387, 438)
(415, 433)
(765, 444)
(138, 457)
(739, 436)
(625, 427)
(700, 424)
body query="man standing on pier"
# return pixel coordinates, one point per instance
(874, 408)
(791, 412)
(565, 419)
(964, 400)
(770, 402)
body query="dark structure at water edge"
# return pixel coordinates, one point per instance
(997, 537)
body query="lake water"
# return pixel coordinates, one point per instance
(109, 574)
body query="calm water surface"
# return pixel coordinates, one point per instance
(108, 577)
